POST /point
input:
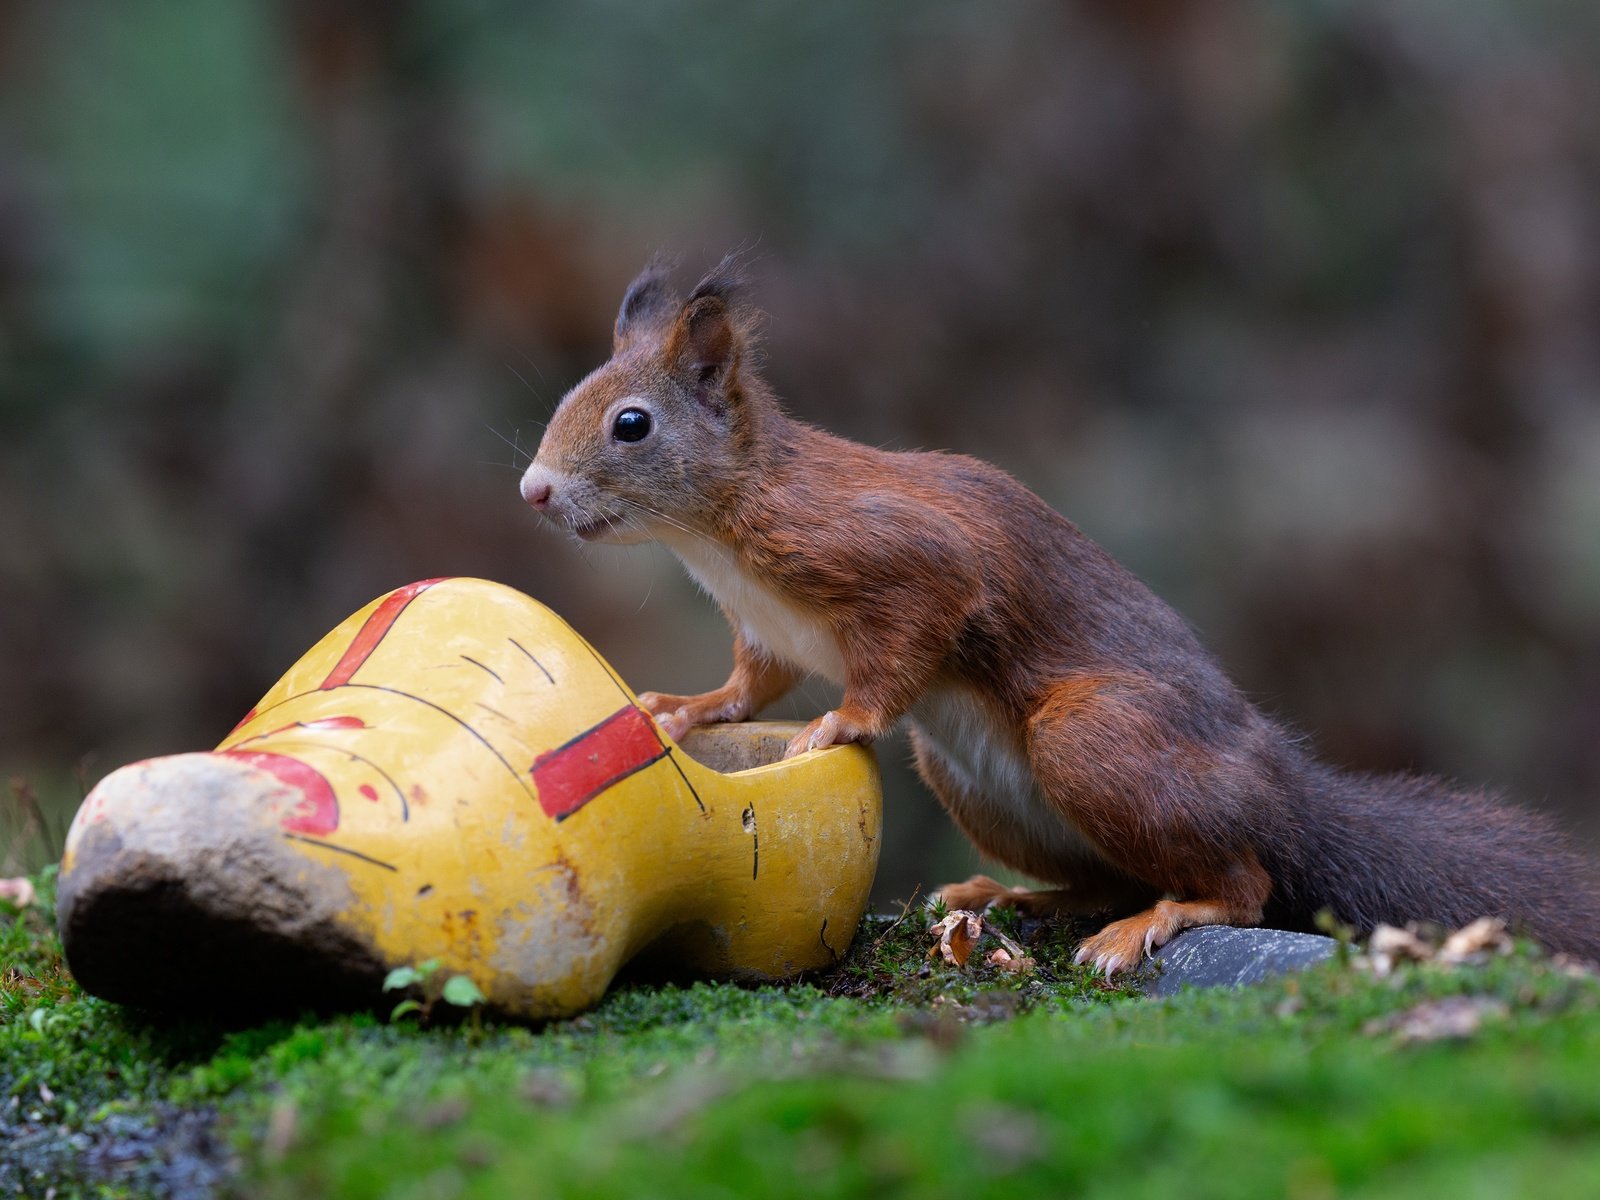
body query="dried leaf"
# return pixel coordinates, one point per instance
(938, 928)
(957, 933)
(1006, 943)
(1453, 1018)
(1018, 964)
(1390, 946)
(1399, 943)
(1484, 937)
(957, 943)
(1574, 968)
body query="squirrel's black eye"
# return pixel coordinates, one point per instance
(631, 425)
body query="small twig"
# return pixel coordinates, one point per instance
(905, 911)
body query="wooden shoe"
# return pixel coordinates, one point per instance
(454, 774)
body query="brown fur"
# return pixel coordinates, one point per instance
(1068, 719)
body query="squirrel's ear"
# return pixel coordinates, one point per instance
(647, 305)
(713, 329)
(701, 346)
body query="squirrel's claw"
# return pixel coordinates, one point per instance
(654, 702)
(671, 713)
(1107, 964)
(1120, 945)
(674, 724)
(819, 735)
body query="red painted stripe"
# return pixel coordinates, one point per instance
(319, 724)
(342, 722)
(318, 810)
(569, 776)
(372, 631)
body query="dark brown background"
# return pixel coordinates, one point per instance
(1293, 307)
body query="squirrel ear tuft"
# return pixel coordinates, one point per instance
(647, 305)
(715, 327)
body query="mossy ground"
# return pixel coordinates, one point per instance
(892, 1075)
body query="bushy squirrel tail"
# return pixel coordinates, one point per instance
(1398, 848)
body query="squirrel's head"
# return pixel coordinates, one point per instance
(656, 438)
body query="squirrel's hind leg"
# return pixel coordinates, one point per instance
(1089, 885)
(1094, 890)
(1111, 754)
(978, 892)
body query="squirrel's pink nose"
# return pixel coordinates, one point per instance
(536, 490)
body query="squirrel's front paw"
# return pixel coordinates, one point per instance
(675, 724)
(657, 703)
(678, 714)
(669, 711)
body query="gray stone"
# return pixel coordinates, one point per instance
(1225, 956)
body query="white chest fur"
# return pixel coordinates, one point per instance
(779, 627)
(999, 795)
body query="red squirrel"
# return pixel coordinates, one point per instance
(1069, 721)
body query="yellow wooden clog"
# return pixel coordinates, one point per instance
(454, 774)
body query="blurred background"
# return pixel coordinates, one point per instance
(1292, 307)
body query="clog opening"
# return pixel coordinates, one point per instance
(740, 746)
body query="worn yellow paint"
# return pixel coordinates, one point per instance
(428, 738)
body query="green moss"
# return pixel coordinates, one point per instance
(32, 974)
(893, 1074)
(1220, 1094)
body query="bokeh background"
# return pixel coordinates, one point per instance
(1294, 307)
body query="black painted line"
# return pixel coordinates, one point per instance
(377, 862)
(533, 660)
(623, 688)
(606, 667)
(487, 745)
(481, 667)
(673, 759)
(590, 732)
